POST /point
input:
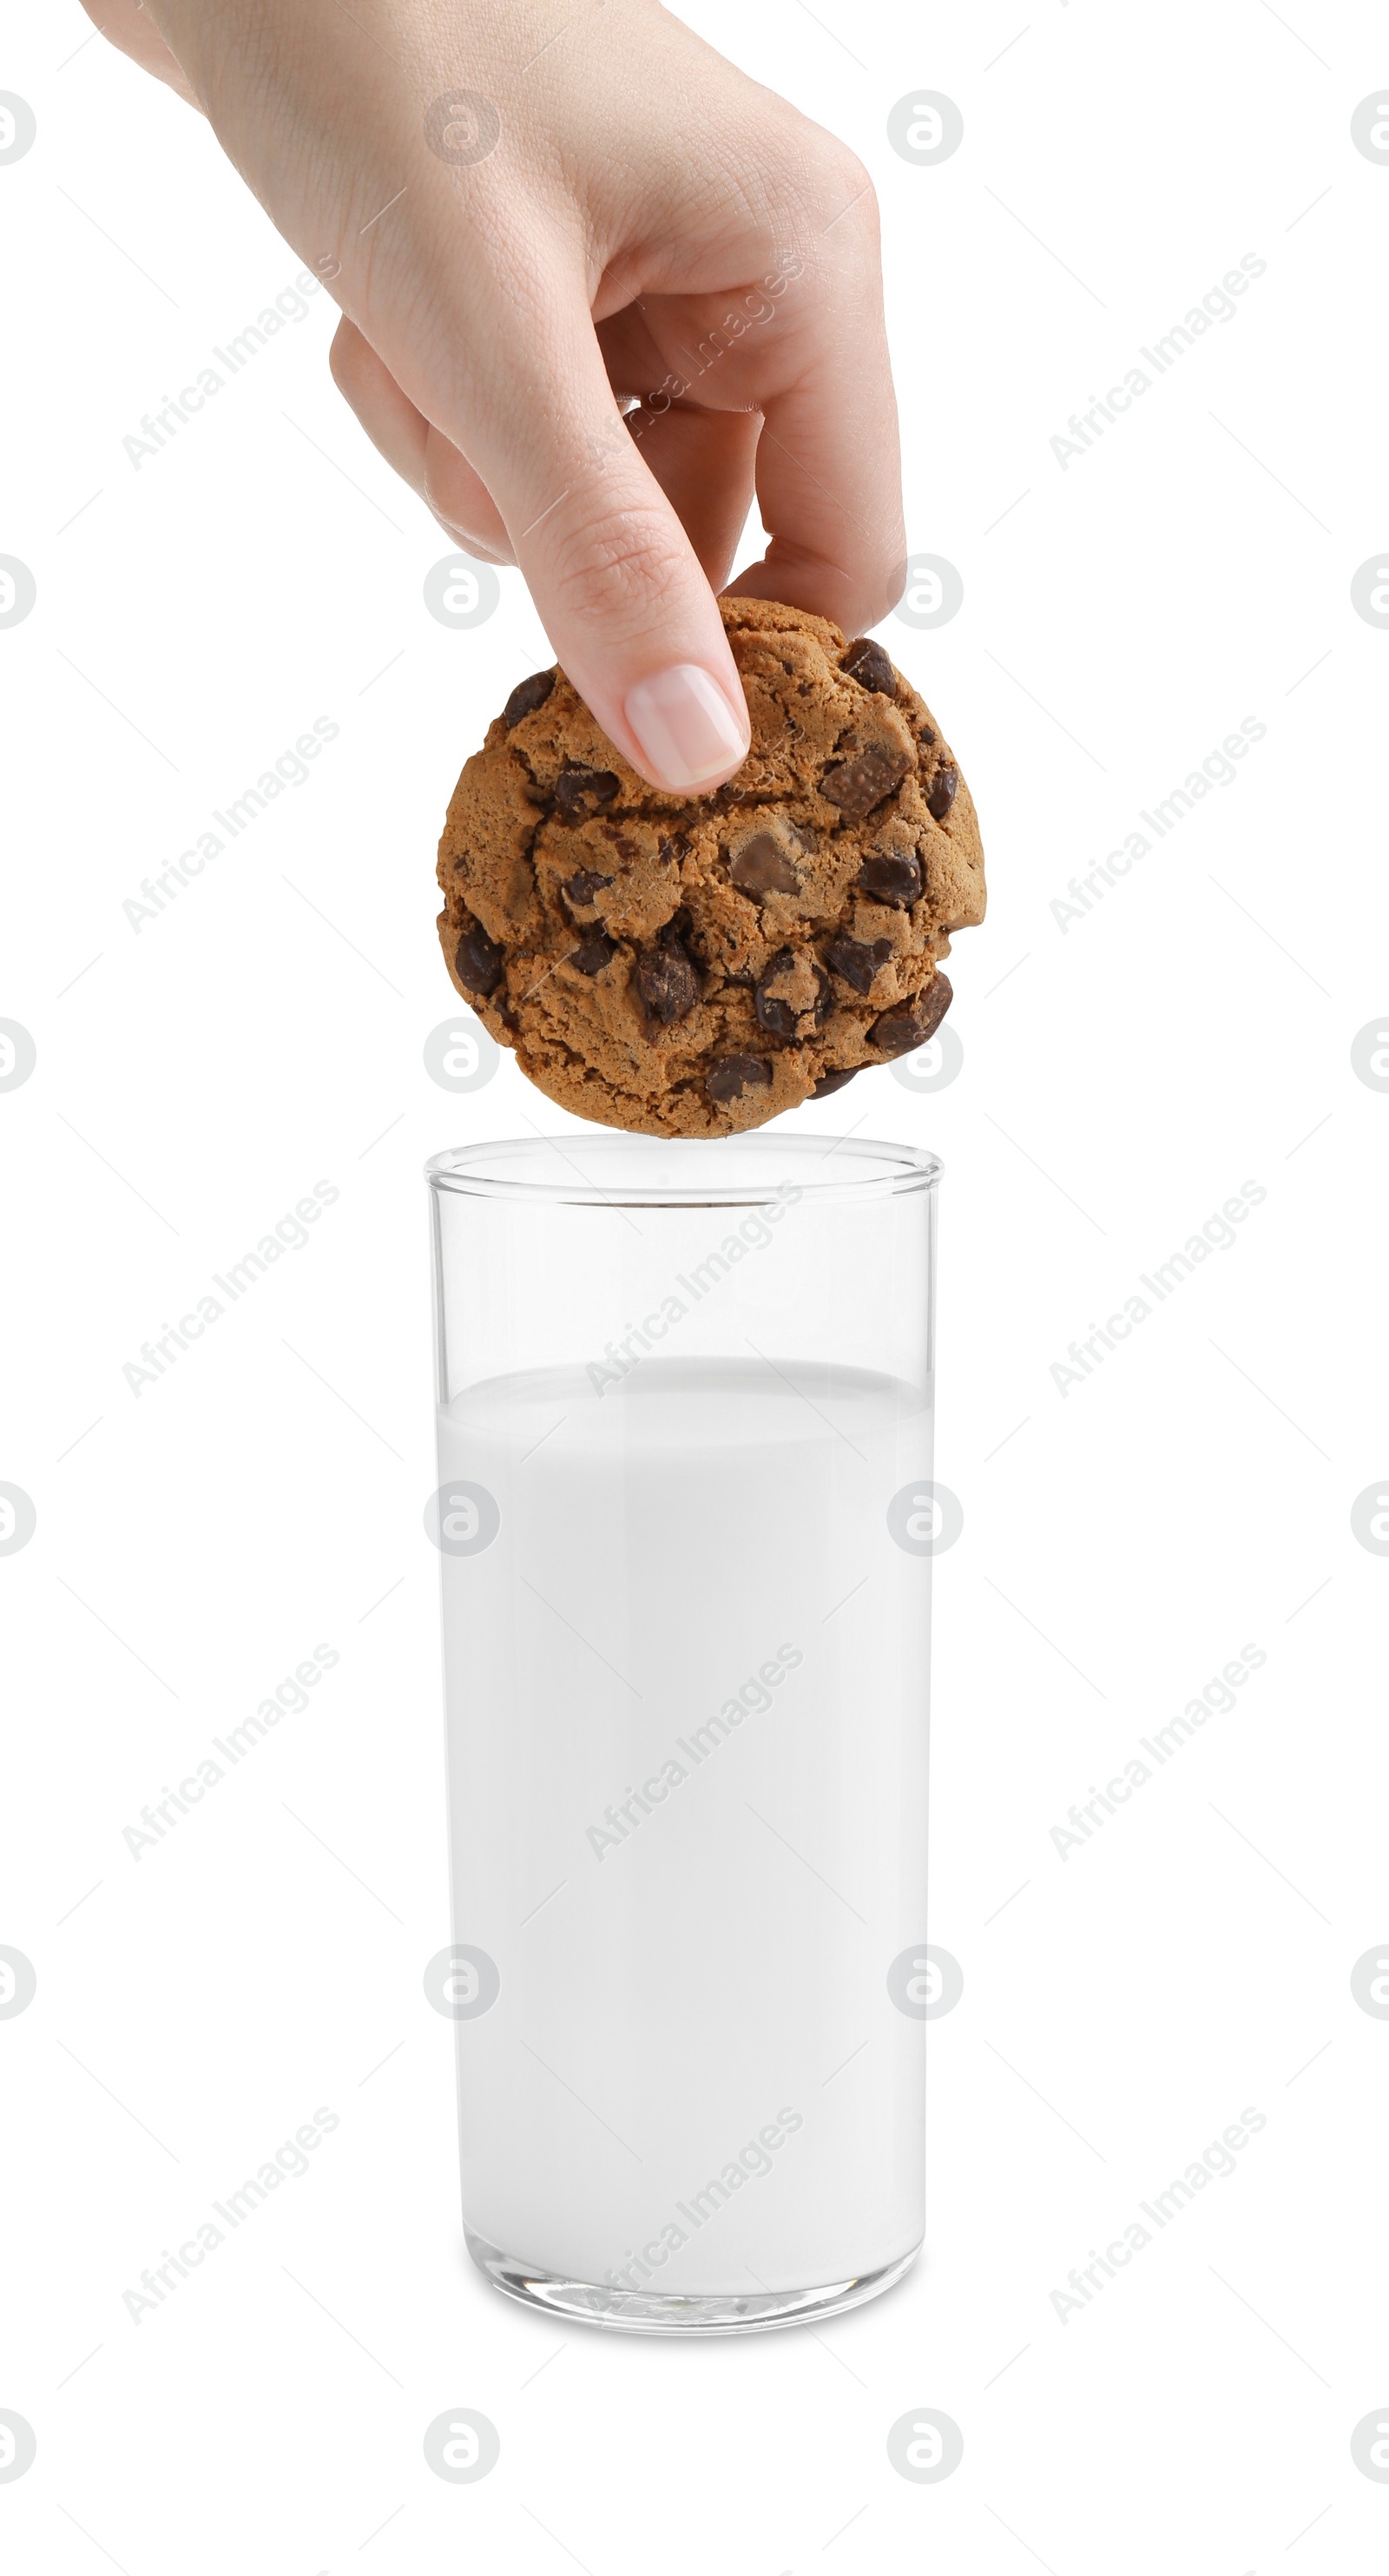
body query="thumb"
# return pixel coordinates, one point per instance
(618, 587)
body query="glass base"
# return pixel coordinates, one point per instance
(709, 2313)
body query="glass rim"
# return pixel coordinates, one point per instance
(462, 1170)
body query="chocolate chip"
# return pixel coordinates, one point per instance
(579, 793)
(927, 736)
(673, 850)
(478, 961)
(667, 980)
(581, 889)
(593, 952)
(778, 1016)
(940, 795)
(890, 876)
(857, 785)
(734, 1074)
(859, 960)
(899, 1032)
(762, 867)
(867, 663)
(621, 840)
(527, 696)
(829, 1082)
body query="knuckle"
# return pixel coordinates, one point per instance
(845, 166)
(840, 199)
(615, 566)
(858, 198)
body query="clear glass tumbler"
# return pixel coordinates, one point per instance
(685, 1521)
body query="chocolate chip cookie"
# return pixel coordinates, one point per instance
(692, 966)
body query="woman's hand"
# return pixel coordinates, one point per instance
(536, 218)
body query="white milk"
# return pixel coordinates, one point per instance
(693, 2079)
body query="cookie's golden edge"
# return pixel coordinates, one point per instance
(686, 1110)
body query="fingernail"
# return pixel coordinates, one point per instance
(685, 726)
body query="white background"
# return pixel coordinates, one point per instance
(1122, 1541)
